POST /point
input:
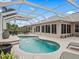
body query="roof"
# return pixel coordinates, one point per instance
(70, 18)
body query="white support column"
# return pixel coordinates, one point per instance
(0, 26)
(59, 29)
(33, 29)
(4, 24)
(50, 28)
(44, 28)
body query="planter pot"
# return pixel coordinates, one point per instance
(5, 35)
(6, 48)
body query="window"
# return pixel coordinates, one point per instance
(47, 28)
(63, 29)
(68, 28)
(54, 28)
(76, 27)
(34, 30)
(43, 28)
(37, 28)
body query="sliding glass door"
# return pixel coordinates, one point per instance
(65, 28)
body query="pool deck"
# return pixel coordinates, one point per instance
(53, 55)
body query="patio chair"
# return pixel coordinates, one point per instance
(69, 55)
(73, 44)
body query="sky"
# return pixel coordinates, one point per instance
(68, 8)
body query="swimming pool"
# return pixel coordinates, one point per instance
(34, 44)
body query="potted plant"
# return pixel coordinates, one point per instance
(5, 34)
(6, 48)
(6, 56)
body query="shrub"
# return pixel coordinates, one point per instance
(7, 55)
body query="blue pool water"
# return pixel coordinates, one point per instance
(34, 44)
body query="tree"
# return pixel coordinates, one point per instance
(12, 27)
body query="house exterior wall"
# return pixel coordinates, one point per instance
(58, 23)
(48, 34)
(73, 29)
(59, 34)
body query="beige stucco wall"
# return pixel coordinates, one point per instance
(50, 34)
(73, 29)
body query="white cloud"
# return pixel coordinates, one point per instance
(70, 12)
(32, 8)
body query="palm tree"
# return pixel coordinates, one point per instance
(12, 28)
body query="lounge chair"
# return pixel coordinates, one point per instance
(73, 44)
(69, 55)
